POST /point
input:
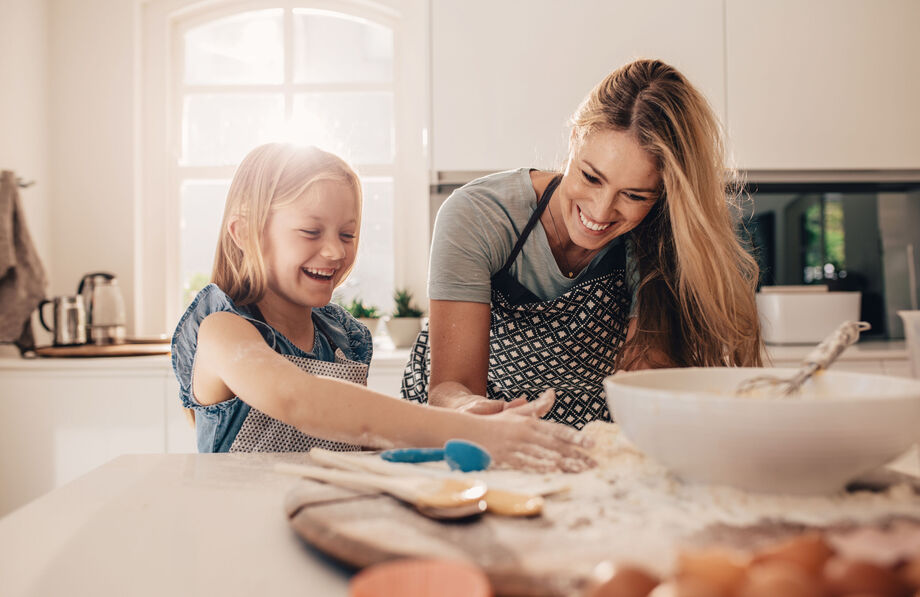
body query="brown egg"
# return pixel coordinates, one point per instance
(846, 577)
(780, 579)
(687, 587)
(723, 570)
(627, 581)
(910, 573)
(809, 550)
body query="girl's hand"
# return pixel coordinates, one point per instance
(521, 440)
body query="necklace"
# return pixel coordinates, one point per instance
(570, 271)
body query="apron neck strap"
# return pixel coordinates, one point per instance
(532, 222)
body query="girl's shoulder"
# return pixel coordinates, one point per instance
(210, 299)
(349, 334)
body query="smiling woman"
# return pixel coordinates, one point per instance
(626, 260)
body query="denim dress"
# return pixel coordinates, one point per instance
(342, 348)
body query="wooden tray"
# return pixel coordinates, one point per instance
(534, 557)
(110, 350)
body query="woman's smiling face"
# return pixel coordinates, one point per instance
(310, 244)
(609, 186)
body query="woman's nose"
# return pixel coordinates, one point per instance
(606, 205)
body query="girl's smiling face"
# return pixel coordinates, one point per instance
(309, 245)
(609, 186)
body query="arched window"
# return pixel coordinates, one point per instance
(333, 74)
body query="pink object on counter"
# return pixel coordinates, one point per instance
(418, 577)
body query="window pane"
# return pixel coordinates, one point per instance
(220, 129)
(201, 210)
(244, 48)
(356, 126)
(335, 49)
(372, 278)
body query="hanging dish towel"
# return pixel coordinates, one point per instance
(22, 277)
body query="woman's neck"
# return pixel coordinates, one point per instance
(293, 321)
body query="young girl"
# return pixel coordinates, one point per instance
(268, 364)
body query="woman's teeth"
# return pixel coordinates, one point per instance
(319, 273)
(591, 224)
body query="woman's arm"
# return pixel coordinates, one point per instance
(458, 336)
(233, 360)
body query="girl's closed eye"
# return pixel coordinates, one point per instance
(311, 233)
(347, 236)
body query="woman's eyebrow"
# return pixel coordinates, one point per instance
(600, 175)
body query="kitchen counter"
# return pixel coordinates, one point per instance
(867, 350)
(214, 524)
(179, 524)
(390, 358)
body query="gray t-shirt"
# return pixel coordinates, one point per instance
(475, 232)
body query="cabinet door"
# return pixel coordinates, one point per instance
(823, 84)
(507, 75)
(57, 426)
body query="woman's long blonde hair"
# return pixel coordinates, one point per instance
(269, 177)
(697, 281)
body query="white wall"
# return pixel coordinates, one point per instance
(92, 140)
(23, 111)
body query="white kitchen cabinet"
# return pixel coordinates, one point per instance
(823, 84)
(507, 75)
(60, 419)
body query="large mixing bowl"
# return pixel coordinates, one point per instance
(838, 427)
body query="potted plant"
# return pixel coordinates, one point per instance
(406, 321)
(366, 314)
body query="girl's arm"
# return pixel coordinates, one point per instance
(233, 360)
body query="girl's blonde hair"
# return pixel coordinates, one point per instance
(697, 281)
(269, 177)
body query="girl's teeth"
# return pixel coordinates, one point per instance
(591, 225)
(320, 272)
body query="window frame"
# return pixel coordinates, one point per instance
(159, 115)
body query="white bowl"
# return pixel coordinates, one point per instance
(840, 426)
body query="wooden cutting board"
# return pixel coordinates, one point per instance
(110, 350)
(553, 555)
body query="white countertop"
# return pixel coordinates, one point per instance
(179, 524)
(390, 358)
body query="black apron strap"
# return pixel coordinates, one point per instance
(534, 218)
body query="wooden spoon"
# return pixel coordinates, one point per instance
(436, 498)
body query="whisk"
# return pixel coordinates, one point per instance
(820, 358)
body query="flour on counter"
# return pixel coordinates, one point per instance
(632, 507)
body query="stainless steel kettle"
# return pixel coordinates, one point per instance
(105, 308)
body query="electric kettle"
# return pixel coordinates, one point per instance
(105, 308)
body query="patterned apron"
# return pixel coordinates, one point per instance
(262, 433)
(568, 343)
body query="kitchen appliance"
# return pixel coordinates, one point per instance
(105, 308)
(68, 322)
(804, 314)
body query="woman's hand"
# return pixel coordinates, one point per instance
(522, 441)
(468, 403)
(457, 397)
